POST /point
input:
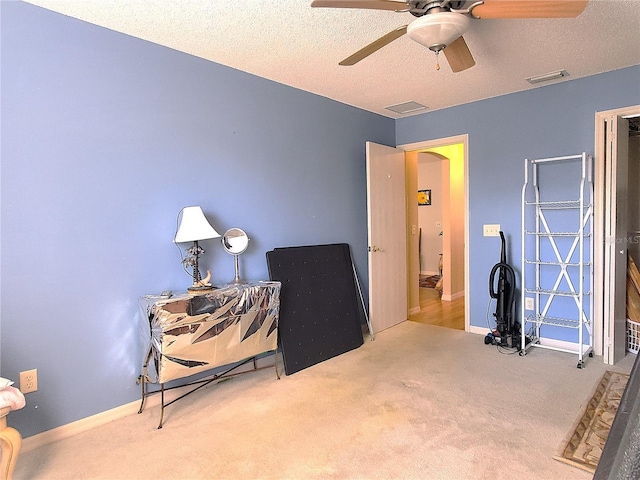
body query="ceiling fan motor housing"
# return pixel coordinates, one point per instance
(437, 30)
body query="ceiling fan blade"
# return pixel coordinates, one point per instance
(372, 4)
(529, 9)
(374, 46)
(458, 55)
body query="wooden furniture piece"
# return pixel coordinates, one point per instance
(191, 334)
(10, 440)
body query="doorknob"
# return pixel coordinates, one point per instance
(375, 249)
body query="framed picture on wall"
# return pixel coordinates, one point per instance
(424, 197)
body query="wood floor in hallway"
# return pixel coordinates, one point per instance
(434, 311)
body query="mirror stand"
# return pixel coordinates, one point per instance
(235, 242)
(236, 279)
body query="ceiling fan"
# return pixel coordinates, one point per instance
(439, 25)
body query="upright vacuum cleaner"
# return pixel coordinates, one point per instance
(507, 332)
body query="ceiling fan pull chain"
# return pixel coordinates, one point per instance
(437, 61)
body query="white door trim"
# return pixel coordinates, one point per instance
(602, 324)
(464, 139)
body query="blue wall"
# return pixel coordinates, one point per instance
(550, 121)
(104, 139)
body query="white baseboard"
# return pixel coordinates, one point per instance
(478, 330)
(414, 310)
(457, 295)
(102, 418)
(449, 298)
(561, 345)
(84, 424)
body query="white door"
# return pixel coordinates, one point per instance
(386, 216)
(615, 252)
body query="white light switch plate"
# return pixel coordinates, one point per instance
(492, 230)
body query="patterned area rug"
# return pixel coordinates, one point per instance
(583, 446)
(428, 281)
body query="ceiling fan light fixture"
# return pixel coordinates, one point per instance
(437, 30)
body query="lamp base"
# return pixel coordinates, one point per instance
(199, 288)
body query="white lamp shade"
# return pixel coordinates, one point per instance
(194, 226)
(438, 29)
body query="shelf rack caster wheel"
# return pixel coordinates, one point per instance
(580, 363)
(591, 354)
(522, 353)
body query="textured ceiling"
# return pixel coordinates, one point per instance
(291, 43)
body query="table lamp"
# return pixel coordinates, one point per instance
(193, 228)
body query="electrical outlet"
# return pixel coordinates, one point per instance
(528, 303)
(29, 381)
(492, 230)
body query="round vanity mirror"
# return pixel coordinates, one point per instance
(235, 242)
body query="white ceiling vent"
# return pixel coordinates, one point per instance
(406, 107)
(547, 77)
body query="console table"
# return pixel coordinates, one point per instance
(189, 334)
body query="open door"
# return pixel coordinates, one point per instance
(616, 168)
(386, 216)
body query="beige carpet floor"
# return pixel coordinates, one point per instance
(419, 402)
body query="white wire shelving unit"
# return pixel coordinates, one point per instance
(557, 252)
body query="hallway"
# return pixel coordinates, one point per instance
(433, 311)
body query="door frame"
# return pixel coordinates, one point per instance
(602, 323)
(464, 140)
